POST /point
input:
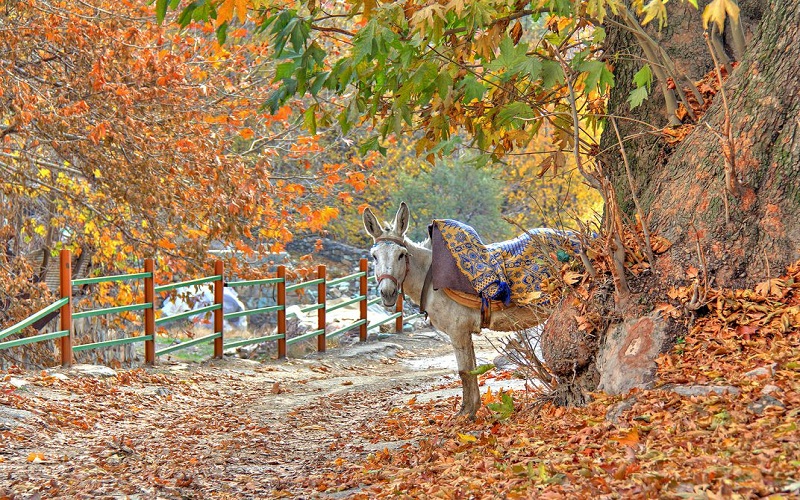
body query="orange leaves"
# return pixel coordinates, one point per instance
(630, 438)
(226, 8)
(99, 133)
(166, 244)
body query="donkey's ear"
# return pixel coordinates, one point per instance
(401, 219)
(371, 224)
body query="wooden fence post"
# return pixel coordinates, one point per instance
(65, 270)
(362, 332)
(219, 270)
(150, 314)
(321, 292)
(398, 322)
(282, 312)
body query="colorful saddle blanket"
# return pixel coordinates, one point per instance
(509, 271)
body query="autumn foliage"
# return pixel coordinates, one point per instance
(121, 138)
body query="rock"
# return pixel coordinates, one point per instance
(769, 389)
(627, 358)
(94, 371)
(701, 390)
(371, 349)
(18, 382)
(10, 417)
(764, 371)
(502, 362)
(758, 406)
(162, 391)
(565, 349)
(616, 411)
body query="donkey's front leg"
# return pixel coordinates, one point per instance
(465, 357)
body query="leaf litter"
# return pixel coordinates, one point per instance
(213, 434)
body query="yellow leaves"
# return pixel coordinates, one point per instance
(246, 133)
(369, 8)
(717, 11)
(467, 438)
(655, 9)
(35, 457)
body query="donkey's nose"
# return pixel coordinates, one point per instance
(389, 297)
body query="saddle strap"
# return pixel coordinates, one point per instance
(475, 302)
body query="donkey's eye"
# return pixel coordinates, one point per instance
(401, 256)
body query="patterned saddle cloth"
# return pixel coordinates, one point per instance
(509, 271)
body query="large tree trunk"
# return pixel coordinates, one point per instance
(682, 187)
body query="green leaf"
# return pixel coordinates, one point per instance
(511, 58)
(504, 408)
(310, 119)
(284, 70)
(371, 144)
(482, 369)
(597, 75)
(552, 73)
(644, 77)
(514, 111)
(637, 97)
(443, 84)
(222, 33)
(473, 89)
(161, 10)
(319, 81)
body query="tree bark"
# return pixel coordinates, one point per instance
(682, 187)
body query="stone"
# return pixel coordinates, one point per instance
(760, 405)
(702, 390)
(18, 382)
(371, 349)
(616, 411)
(10, 417)
(502, 362)
(94, 371)
(627, 358)
(764, 371)
(769, 389)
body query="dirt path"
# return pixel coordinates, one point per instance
(221, 429)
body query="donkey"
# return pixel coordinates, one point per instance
(402, 265)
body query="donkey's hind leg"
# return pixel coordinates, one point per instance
(465, 357)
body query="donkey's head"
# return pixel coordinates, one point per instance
(390, 253)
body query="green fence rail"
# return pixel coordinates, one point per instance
(64, 307)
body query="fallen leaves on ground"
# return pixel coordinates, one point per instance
(215, 434)
(742, 442)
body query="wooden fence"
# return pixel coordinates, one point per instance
(65, 334)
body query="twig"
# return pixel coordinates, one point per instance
(576, 124)
(697, 301)
(729, 153)
(648, 248)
